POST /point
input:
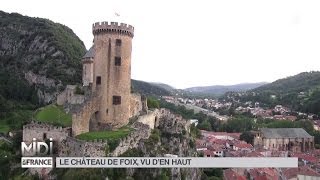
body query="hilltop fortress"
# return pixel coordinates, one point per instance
(107, 102)
(104, 102)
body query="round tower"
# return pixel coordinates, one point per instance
(112, 72)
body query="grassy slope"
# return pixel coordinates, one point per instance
(4, 128)
(14, 120)
(53, 114)
(108, 135)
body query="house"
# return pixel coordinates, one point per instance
(217, 149)
(316, 125)
(239, 146)
(194, 121)
(221, 135)
(263, 174)
(254, 154)
(291, 118)
(305, 158)
(201, 145)
(303, 172)
(229, 174)
(208, 153)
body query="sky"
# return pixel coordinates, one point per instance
(199, 43)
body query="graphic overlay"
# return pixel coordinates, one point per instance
(37, 148)
(183, 162)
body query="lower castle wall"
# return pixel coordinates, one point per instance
(70, 146)
(135, 104)
(142, 131)
(69, 96)
(81, 119)
(151, 119)
(73, 147)
(42, 130)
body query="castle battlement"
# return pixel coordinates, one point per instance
(43, 127)
(113, 27)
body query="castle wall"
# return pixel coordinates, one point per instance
(62, 98)
(73, 147)
(69, 96)
(142, 131)
(150, 119)
(41, 130)
(76, 99)
(81, 119)
(135, 104)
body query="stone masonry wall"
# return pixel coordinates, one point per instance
(150, 119)
(135, 104)
(81, 118)
(77, 148)
(69, 96)
(39, 130)
(43, 131)
(142, 131)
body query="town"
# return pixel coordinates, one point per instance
(266, 142)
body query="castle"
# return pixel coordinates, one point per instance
(108, 102)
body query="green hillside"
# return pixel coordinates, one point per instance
(148, 88)
(300, 92)
(50, 51)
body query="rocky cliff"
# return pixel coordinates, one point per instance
(38, 56)
(171, 138)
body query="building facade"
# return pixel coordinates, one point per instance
(284, 139)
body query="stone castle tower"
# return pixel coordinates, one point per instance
(107, 72)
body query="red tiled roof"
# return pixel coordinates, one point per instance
(208, 152)
(234, 153)
(292, 118)
(229, 174)
(263, 177)
(263, 173)
(242, 145)
(304, 170)
(269, 171)
(306, 157)
(234, 135)
(216, 147)
(219, 141)
(254, 154)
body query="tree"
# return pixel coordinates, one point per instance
(205, 125)
(247, 136)
(153, 102)
(239, 124)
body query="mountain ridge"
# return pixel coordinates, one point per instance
(300, 92)
(221, 89)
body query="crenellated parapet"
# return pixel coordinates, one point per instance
(113, 27)
(41, 126)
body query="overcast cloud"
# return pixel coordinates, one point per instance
(197, 43)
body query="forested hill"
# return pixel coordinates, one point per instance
(300, 92)
(148, 88)
(37, 56)
(299, 83)
(37, 59)
(221, 89)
